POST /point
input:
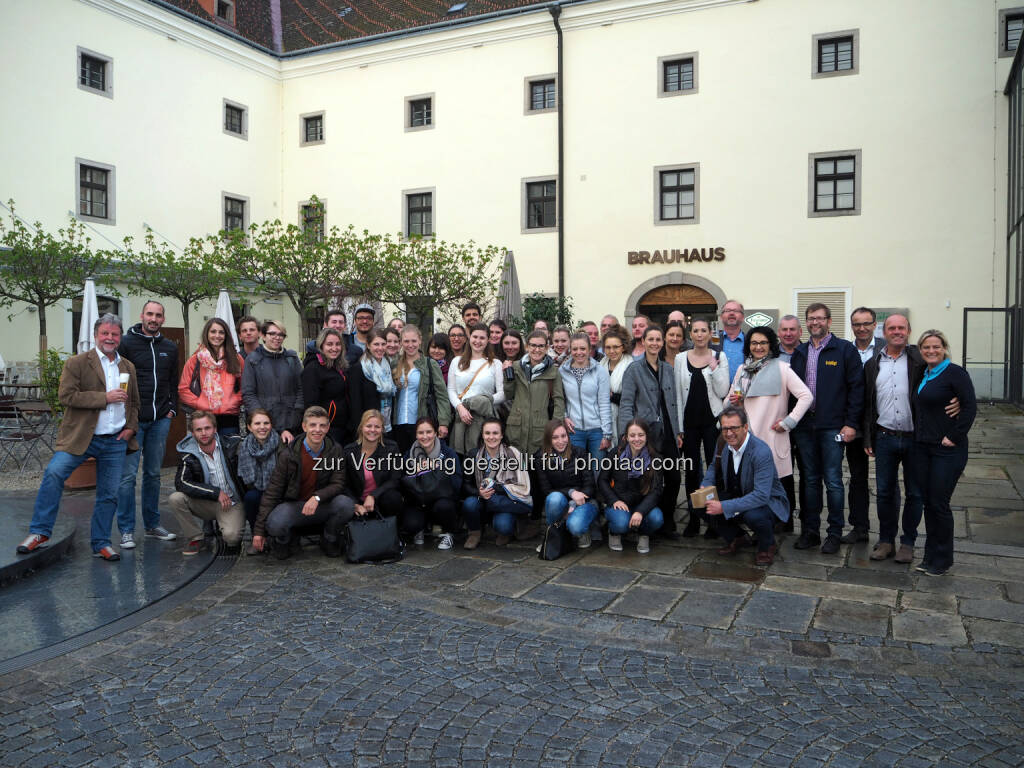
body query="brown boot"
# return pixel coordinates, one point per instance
(472, 540)
(502, 540)
(905, 554)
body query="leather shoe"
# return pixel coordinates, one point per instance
(692, 527)
(807, 540)
(831, 545)
(855, 536)
(882, 550)
(905, 555)
(731, 548)
(767, 556)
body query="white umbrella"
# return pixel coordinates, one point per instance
(224, 313)
(510, 302)
(90, 314)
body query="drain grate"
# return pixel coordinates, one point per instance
(218, 568)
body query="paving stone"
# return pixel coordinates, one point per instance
(778, 610)
(512, 580)
(962, 586)
(853, 617)
(726, 571)
(999, 610)
(832, 589)
(596, 577)
(570, 597)
(661, 559)
(712, 587)
(644, 603)
(705, 609)
(995, 632)
(870, 578)
(921, 627)
(928, 601)
(1015, 591)
(785, 567)
(460, 571)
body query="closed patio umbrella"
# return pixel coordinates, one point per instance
(224, 313)
(510, 301)
(90, 314)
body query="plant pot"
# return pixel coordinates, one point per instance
(84, 476)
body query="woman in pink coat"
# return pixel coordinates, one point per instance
(763, 386)
(215, 370)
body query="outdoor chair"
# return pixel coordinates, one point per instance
(17, 434)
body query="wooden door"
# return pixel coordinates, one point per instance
(177, 335)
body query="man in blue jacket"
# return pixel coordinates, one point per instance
(748, 486)
(832, 370)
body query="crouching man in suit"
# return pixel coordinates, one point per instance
(749, 490)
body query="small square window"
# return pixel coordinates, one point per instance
(311, 127)
(1011, 24)
(419, 113)
(236, 212)
(676, 194)
(834, 183)
(540, 205)
(95, 72)
(419, 213)
(677, 75)
(236, 119)
(836, 53)
(95, 189)
(541, 94)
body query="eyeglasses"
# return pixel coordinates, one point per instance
(817, 319)
(759, 344)
(733, 429)
(537, 346)
(864, 325)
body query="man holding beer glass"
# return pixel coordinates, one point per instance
(99, 390)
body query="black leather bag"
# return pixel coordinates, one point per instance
(557, 540)
(194, 386)
(427, 487)
(373, 540)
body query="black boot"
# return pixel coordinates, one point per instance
(692, 526)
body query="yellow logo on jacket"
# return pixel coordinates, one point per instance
(831, 362)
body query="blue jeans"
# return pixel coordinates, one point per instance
(588, 440)
(579, 519)
(503, 511)
(251, 505)
(822, 457)
(761, 520)
(152, 438)
(890, 452)
(937, 469)
(109, 454)
(618, 521)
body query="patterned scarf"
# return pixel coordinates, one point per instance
(256, 462)
(532, 372)
(380, 374)
(644, 459)
(211, 377)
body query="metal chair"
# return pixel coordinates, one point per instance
(17, 433)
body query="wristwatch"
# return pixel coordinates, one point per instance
(317, 499)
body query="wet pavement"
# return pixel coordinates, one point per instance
(493, 657)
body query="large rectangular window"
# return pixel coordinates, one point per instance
(419, 215)
(834, 180)
(235, 212)
(1011, 24)
(676, 194)
(540, 204)
(312, 220)
(93, 192)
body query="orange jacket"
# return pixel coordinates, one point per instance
(231, 400)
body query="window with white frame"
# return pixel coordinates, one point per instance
(95, 184)
(834, 183)
(418, 212)
(311, 127)
(676, 194)
(419, 112)
(95, 72)
(835, 53)
(677, 74)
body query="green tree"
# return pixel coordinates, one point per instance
(190, 277)
(555, 311)
(41, 268)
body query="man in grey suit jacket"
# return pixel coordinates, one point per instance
(748, 488)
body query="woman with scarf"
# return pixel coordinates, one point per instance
(534, 395)
(630, 486)
(702, 380)
(560, 338)
(325, 383)
(501, 487)
(565, 483)
(422, 391)
(440, 351)
(257, 457)
(762, 387)
(431, 486)
(370, 385)
(211, 379)
(939, 455)
(615, 342)
(475, 388)
(373, 468)
(588, 404)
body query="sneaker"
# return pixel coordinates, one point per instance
(615, 542)
(445, 542)
(539, 547)
(922, 567)
(831, 545)
(643, 544)
(583, 542)
(127, 540)
(108, 554)
(33, 542)
(418, 540)
(807, 540)
(472, 540)
(932, 570)
(160, 533)
(195, 546)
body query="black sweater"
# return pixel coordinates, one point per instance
(931, 423)
(615, 484)
(386, 475)
(327, 388)
(573, 475)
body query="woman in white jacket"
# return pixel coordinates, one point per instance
(616, 344)
(475, 387)
(702, 381)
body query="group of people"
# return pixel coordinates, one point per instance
(486, 426)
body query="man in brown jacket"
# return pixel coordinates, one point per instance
(101, 397)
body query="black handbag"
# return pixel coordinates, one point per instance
(428, 487)
(557, 540)
(194, 386)
(373, 540)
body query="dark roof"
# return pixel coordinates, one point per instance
(307, 24)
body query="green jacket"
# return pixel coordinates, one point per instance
(528, 407)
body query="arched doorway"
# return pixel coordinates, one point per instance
(694, 295)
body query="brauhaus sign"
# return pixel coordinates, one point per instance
(676, 256)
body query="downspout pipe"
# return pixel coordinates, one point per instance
(556, 11)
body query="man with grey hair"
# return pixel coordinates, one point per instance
(789, 336)
(99, 391)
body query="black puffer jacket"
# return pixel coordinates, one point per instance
(273, 381)
(156, 366)
(192, 477)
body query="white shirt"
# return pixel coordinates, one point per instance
(737, 454)
(215, 465)
(892, 393)
(112, 418)
(867, 354)
(487, 383)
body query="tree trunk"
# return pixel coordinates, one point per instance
(41, 310)
(184, 323)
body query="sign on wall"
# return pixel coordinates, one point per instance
(675, 256)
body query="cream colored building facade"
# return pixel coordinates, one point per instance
(921, 113)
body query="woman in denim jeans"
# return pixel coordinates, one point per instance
(630, 485)
(565, 479)
(501, 486)
(588, 405)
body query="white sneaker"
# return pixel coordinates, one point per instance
(615, 542)
(418, 540)
(643, 545)
(127, 541)
(160, 533)
(583, 542)
(539, 547)
(444, 543)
